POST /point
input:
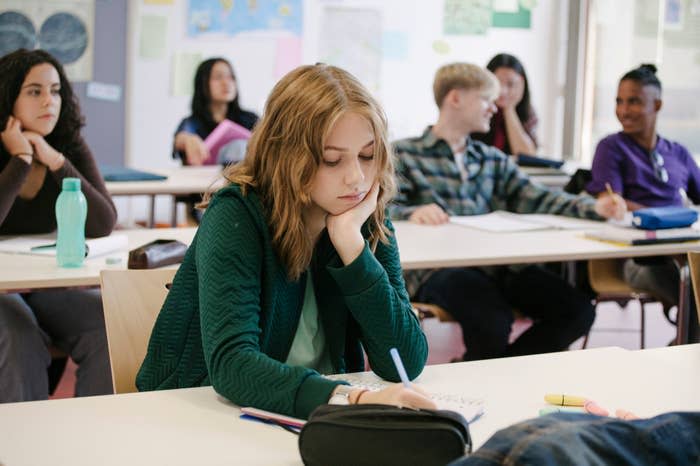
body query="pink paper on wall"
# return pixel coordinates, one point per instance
(288, 55)
(225, 132)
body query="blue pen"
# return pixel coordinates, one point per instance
(399, 367)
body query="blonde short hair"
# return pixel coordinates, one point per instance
(465, 76)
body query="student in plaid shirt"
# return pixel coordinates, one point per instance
(444, 172)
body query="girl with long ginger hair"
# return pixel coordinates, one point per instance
(294, 270)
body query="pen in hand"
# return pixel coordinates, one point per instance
(615, 197)
(609, 189)
(399, 367)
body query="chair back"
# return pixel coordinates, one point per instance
(606, 277)
(132, 300)
(694, 262)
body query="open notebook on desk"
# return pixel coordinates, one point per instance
(470, 408)
(637, 237)
(508, 222)
(45, 245)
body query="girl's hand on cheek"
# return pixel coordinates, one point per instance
(344, 229)
(356, 216)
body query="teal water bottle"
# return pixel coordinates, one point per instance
(71, 212)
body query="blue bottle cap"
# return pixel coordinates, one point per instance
(71, 184)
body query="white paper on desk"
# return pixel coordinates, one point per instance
(498, 222)
(96, 246)
(470, 408)
(558, 221)
(625, 222)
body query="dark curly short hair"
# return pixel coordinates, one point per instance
(14, 68)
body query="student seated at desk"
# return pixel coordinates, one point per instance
(445, 172)
(294, 270)
(647, 170)
(215, 99)
(41, 145)
(513, 128)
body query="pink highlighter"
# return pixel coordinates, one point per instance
(592, 407)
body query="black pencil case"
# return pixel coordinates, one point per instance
(371, 434)
(158, 253)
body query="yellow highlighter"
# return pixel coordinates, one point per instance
(559, 399)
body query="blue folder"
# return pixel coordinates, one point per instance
(111, 173)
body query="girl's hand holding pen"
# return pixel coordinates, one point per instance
(398, 395)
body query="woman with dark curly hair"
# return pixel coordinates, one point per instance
(513, 127)
(40, 146)
(215, 99)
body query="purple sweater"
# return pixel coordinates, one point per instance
(627, 166)
(37, 215)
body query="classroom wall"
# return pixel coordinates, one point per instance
(106, 119)
(407, 64)
(410, 49)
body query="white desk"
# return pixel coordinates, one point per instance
(419, 246)
(181, 180)
(195, 426)
(26, 272)
(451, 245)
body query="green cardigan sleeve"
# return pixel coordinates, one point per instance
(374, 291)
(229, 260)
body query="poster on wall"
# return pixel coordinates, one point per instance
(476, 17)
(64, 28)
(352, 39)
(462, 17)
(231, 17)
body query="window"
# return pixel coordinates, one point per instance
(621, 35)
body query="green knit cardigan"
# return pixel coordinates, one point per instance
(232, 313)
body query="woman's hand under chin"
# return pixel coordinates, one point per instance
(344, 228)
(43, 152)
(14, 140)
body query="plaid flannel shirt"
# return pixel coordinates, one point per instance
(427, 173)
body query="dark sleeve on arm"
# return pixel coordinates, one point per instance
(375, 293)
(101, 215)
(11, 179)
(187, 127)
(229, 262)
(606, 168)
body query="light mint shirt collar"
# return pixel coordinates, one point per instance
(309, 345)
